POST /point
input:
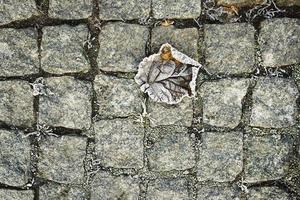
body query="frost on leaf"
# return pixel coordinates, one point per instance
(168, 76)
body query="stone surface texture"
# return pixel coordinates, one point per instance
(171, 149)
(240, 3)
(222, 102)
(207, 192)
(279, 42)
(16, 194)
(229, 48)
(117, 97)
(273, 193)
(14, 158)
(274, 103)
(122, 9)
(119, 143)
(12, 10)
(62, 49)
(122, 47)
(221, 157)
(62, 159)
(70, 104)
(16, 103)
(75, 9)
(18, 52)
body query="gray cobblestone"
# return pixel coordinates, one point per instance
(287, 2)
(14, 158)
(75, 9)
(122, 9)
(266, 157)
(273, 193)
(117, 96)
(62, 49)
(16, 103)
(164, 114)
(222, 102)
(221, 157)
(274, 103)
(18, 52)
(206, 192)
(119, 143)
(16, 194)
(61, 159)
(171, 149)
(122, 47)
(279, 42)
(106, 187)
(165, 189)
(176, 9)
(11, 10)
(229, 48)
(70, 104)
(240, 3)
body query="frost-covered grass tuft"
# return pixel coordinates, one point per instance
(39, 88)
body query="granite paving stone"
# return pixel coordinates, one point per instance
(122, 47)
(16, 103)
(61, 159)
(14, 158)
(117, 97)
(119, 143)
(266, 157)
(75, 9)
(185, 39)
(280, 42)
(12, 10)
(229, 48)
(176, 9)
(122, 9)
(163, 114)
(171, 149)
(207, 192)
(240, 3)
(220, 156)
(107, 187)
(273, 193)
(63, 49)
(274, 103)
(6, 194)
(166, 189)
(18, 52)
(70, 104)
(222, 102)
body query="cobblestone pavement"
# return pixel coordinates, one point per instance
(75, 125)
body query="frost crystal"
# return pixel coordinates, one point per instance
(168, 76)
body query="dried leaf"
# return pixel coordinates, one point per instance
(168, 76)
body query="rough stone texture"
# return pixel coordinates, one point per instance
(266, 157)
(107, 187)
(75, 9)
(171, 149)
(18, 52)
(166, 189)
(280, 42)
(122, 47)
(70, 104)
(222, 102)
(62, 49)
(16, 194)
(274, 103)
(185, 40)
(206, 192)
(61, 159)
(287, 2)
(119, 143)
(221, 156)
(14, 158)
(240, 3)
(176, 9)
(179, 114)
(117, 97)
(273, 193)
(16, 103)
(11, 10)
(229, 48)
(53, 191)
(122, 9)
